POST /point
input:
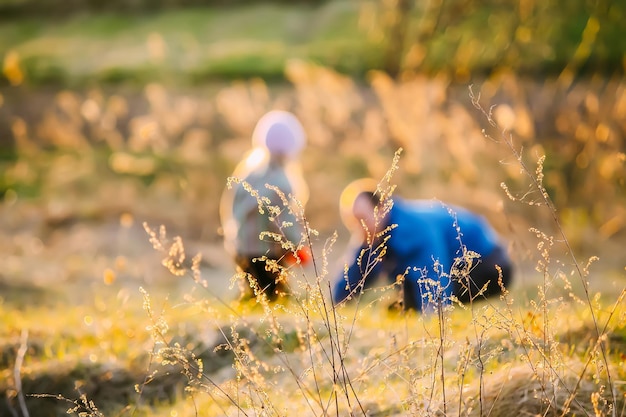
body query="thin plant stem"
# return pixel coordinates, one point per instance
(507, 138)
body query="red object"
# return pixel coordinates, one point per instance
(303, 254)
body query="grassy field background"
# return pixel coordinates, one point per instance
(110, 122)
(195, 45)
(188, 46)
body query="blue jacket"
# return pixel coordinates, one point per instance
(427, 237)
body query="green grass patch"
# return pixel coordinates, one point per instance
(196, 43)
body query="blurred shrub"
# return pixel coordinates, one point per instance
(467, 37)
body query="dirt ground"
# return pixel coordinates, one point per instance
(79, 256)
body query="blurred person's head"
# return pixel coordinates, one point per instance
(357, 205)
(281, 133)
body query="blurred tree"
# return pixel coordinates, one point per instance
(469, 36)
(397, 21)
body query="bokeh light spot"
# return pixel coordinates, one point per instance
(109, 276)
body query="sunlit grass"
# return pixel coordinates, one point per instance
(390, 355)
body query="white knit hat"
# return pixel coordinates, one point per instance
(280, 132)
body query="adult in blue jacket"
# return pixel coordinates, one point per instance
(435, 250)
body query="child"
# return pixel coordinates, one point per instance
(438, 249)
(278, 139)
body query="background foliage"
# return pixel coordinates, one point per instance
(461, 38)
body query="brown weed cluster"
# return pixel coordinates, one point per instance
(174, 149)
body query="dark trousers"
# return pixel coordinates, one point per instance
(269, 281)
(468, 284)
